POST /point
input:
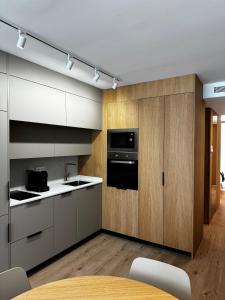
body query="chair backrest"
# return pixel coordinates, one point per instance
(164, 276)
(13, 282)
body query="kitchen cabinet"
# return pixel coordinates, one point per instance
(89, 211)
(151, 144)
(65, 221)
(167, 170)
(122, 114)
(3, 163)
(120, 211)
(32, 102)
(4, 250)
(3, 62)
(31, 150)
(3, 92)
(30, 218)
(32, 250)
(72, 149)
(83, 113)
(77, 215)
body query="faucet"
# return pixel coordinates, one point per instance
(66, 172)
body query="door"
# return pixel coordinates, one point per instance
(89, 216)
(65, 221)
(122, 115)
(179, 171)
(32, 102)
(83, 113)
(151, 137)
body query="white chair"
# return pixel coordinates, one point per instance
(13, 282)
(164, 276)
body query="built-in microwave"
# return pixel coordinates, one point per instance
(122, 140)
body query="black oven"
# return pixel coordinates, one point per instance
(122, 170)
(122, 140)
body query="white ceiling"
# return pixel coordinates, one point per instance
(136, 40)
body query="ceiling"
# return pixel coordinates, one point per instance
(136, 40)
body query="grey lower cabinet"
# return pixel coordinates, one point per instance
(77, 215)
(4, 248)
(89, 212)
(41, 229)
(65, 221)
(31, 233)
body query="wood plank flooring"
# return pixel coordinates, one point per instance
(111, 255)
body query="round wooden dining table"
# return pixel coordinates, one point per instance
(95, 288)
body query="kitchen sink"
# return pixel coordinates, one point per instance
(20, 195)
(76, 183)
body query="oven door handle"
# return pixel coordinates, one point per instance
(125, 162)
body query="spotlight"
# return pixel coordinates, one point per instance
(70, 62)
(21, 39)
(96, 76)
(114, 85)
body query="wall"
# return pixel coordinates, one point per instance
(54, 166)
(222, 166)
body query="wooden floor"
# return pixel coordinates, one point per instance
(110, 255)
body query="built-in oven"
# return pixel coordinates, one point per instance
(122, 170)
(125, 140)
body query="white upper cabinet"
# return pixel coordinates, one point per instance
(3, 92)
(32, 102)
(3, 62)
(83, 113)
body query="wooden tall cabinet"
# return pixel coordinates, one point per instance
(168, 207)
(167, 179)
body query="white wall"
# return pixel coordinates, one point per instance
(222, 167)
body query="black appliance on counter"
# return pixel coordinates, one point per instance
(37, 181)
(122, 158)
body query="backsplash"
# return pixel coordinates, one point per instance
(53, 165)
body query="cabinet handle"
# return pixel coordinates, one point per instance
(66, 194)
(9, 233)
(34, 234)
(163, 178)
(33, 203)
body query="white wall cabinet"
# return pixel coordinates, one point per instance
(83, 113)
(32, 102)
(3, 92)
(3, 62)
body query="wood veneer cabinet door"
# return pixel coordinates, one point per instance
(120, 211)
(122, 114)
(151, 140)
(179, 171)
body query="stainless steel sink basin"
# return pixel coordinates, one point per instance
(76, 183)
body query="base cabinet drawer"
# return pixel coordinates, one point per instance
(30, 218)
(32, 250)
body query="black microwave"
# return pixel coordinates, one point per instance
(122, 140)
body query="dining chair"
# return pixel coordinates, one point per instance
(161, 275)
(13, 282)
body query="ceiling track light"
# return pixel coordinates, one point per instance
(70, 62)
(96, 76)
(115, 84)
(21, 39)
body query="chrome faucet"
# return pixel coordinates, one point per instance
(66, 172)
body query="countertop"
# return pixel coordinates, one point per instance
(57, 187)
